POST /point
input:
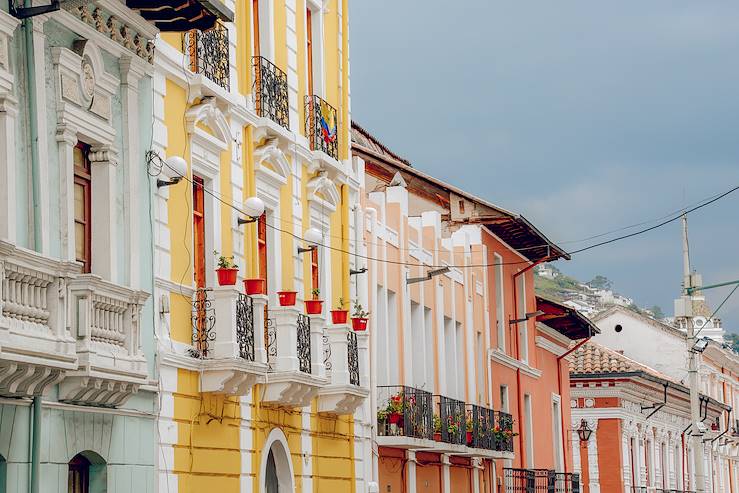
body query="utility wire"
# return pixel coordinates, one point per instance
(467, 266)
(716, 310)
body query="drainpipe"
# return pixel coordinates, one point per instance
(559, 391)
(33, 125)
(35, 443)
(518, 354)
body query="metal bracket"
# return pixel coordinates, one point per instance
(26, 12)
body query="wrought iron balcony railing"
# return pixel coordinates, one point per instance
(207, 54)
(503, 432)
(540, 481)
(404, 411)
(321, 124)
(662, 490)
(303, 328)
(353, 357)
(482, 424)
(452, 420)
(203, 323)
(638, 489)
(270, 92)
(245, 326)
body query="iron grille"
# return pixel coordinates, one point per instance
(327, 353)
(452, 419)
(404, 411)
(203, 321)
(304, 342)
(270, 341)
(566, 482)
(245, 326)
(503, 432)
(638, 489)
(353, 357)
(528, 480)
(662, 490)
(270, 92)
(482, 425)
(207, 53)
(321, 124)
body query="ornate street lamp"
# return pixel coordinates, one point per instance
(584, 431)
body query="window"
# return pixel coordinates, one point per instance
(529, 427)
(82, 210)
(309, 48)
(418, 361)
(632, 461)
(314, 276)
(523, 327)
(648, 462)
(500, 322)
(461, 361)
(393, 336)
(262, 249)
(78, 478)
(450, 373)
(664, 467)
(383, 364)
(431, 360)
(198, 228)
(480, 367)
(557, 432)
(504, 398)
(255, 26)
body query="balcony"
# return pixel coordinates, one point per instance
(450, 424)
(539, 481)
(232, 359)
(296, 371)
(36, 349)
(207, 54)
(404, 417)
(341, 358)
(490, 430)
(321, 126)
(270, 92)
(105, 323)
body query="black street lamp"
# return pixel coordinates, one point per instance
(584, 431)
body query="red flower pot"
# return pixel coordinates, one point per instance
(287, 298)
(313, 307)
(437, 436)
(394, 418)
(359, 324)
(339, 316)
(227, 277)
(469, 438)
(254, 286)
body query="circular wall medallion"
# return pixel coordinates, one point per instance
(589, 402)
(88, 80)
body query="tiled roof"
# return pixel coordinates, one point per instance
(365, 139)
(593, 359)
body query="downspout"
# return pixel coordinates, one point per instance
(32, 125)
(35, 443)
(559, 391)
(518, 355)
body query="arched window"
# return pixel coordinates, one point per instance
(87, 474)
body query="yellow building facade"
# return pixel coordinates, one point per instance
(256, 395)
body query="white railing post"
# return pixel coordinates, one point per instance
(339, 352)
(317, 324)
(363, 357)
(286, 322)
(224, 305)
(260, 306)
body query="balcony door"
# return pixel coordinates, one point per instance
(198, 228)
(309, 48)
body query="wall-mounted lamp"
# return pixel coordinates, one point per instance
(254, 208)
(700, 345)
(174, 168)
(354, 272)
(313, 238)
(526, 317)
(584, 431)
(429, 275)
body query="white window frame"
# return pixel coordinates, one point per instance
(557, 439)
(523, 327)
(529, 430)
(316, 7)
(500, 321)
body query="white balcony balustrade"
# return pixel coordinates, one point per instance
(36, 348)
(233, 359)
(296, 365)
(344, 353)
(105, 324)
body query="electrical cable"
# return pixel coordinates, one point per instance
(467, 266)
(716, 310)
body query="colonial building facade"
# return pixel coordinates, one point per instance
(466, 374)
(256, 394)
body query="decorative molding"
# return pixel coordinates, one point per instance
(550, 346)
(500, 357)
(323, 185)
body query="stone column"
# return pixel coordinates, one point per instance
(103, 162)
(66, 139)
(410, 479)
(446, 476)
(8, 219)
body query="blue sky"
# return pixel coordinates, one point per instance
(583, 116)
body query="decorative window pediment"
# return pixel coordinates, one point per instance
(322, 190)
(271, 154)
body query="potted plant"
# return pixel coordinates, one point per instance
(339, 315)
(254, 286)
(381, 419)
(227, 270)
(395, 409)
(452, 426)
(287, 298)
(468, 426)
(314, 306)
(437, 428)
(359, 317)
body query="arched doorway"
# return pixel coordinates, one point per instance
(276, 469)
(87, 474)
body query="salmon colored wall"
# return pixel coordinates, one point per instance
(428, 473)
(461, 479)
(609, 456)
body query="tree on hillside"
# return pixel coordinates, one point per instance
(732, 340)
(600, 282)
(657, 312)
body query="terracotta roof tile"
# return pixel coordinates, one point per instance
(592, 359)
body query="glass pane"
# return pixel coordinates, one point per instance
(79, 202)
(79, 241)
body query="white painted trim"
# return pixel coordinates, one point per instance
(550, 346)
(561, 338)
(277, 436)
(502, 358)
